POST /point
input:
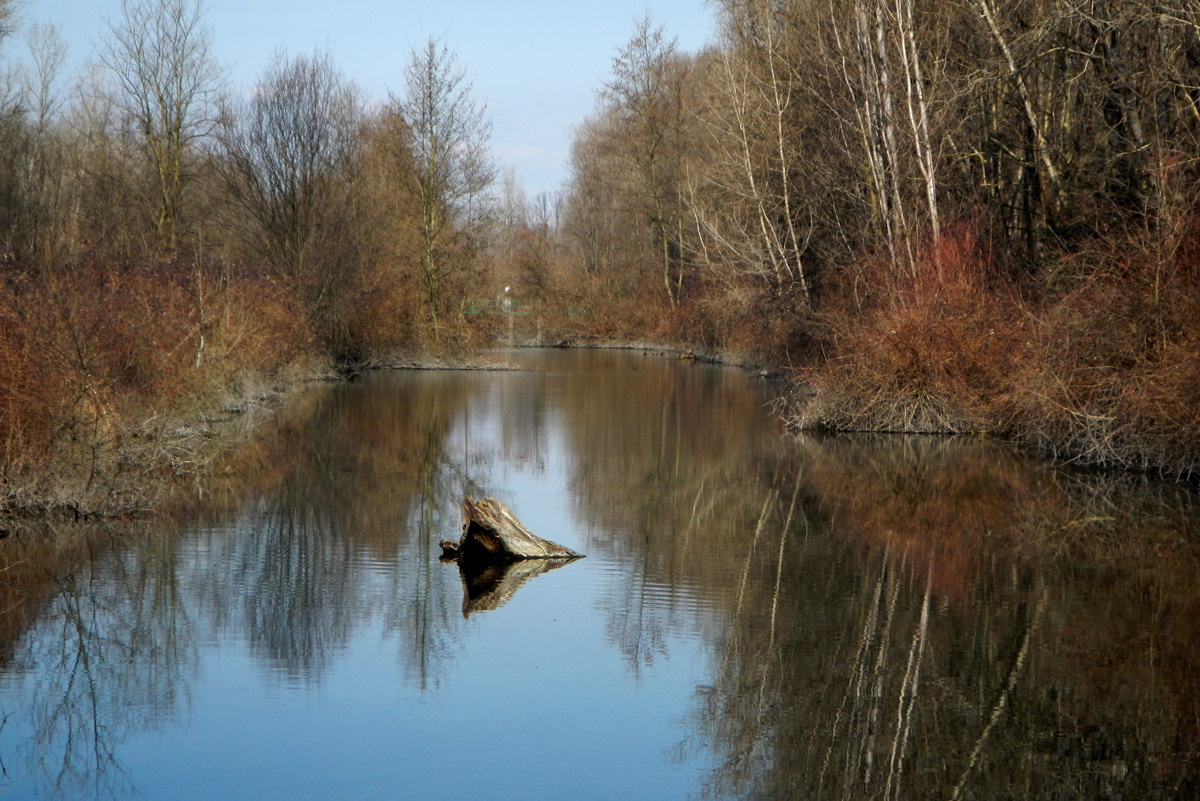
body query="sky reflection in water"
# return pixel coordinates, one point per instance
(758, 616)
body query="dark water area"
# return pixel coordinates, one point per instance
(759, 616)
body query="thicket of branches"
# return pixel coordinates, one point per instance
(967, 216)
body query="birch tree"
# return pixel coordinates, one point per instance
(760, 134)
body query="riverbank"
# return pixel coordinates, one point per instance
(127, 464)
(117, 377)
(1097, 367)
(124, 465)
(130, 464)
(121, 381)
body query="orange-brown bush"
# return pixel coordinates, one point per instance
(712, 321)
(928, 349)
(588, 307)
(1116, 374)
(100, 359)
(743, 318)
(29, 394)
(1102, 368)
(381, 319)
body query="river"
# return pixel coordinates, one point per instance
(759, 615)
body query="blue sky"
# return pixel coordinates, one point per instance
(536, 63)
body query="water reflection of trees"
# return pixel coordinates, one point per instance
(669, 473)
(938, 619)
(119, 657)
(372, 482)
(893, 617)
(885, 617)
(339, 492)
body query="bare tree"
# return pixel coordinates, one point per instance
(644, 95)
(43, 168)
(32, 170)
(451, 167)
(159, 52)
(41, 84)
(106, 205)
(605, 215)
(590, 201)
(288, 152)
(759, 134)
(7, 24)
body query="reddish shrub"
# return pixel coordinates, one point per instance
(89, 353)
(928, 348)
(1104, 368)
(1116, 378)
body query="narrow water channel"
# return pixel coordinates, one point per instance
(758, 616)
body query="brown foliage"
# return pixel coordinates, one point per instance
(380, 319)
(102, 358)
(918, 353)
(834, 144)
(1103, 368)
(1116, 374)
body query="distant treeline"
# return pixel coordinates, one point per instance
(948, 216)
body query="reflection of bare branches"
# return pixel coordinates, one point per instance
(1002, 701)
(419, 608)
(297, 582)
(666, 469)
(737, 628)
(906, 626)
(865, 693)
(771, 654)
(368, 480)
(114, 665)
(908, 696)
(5, 779)
(420, 613)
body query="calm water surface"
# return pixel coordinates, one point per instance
(758, 616)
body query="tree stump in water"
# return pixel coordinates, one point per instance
(492, 533)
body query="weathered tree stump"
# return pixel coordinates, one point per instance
(492, 533)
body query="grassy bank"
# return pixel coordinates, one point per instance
(116, 377)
